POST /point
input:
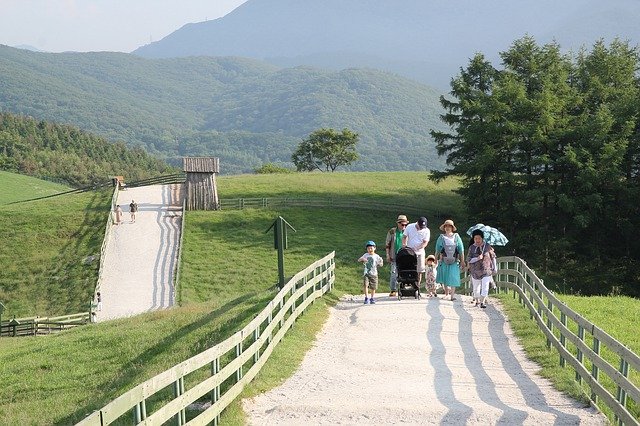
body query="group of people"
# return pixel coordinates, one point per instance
(133, 209)
(442, 268)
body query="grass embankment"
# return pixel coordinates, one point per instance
(15, 187)
(612, 314)
(229, 272)
(46, 247)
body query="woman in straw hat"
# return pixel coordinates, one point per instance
(450, 252)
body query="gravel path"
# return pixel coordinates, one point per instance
(140, 257)
(417, 362)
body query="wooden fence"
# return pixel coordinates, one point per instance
(226, 368)
(35, 326)
(105, 241)
(579, 342)
(347, 203)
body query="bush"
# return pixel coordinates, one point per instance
(271, 168)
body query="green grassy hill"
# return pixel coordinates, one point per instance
(15, 187)
(229, 271)
(50, 248)
(244, 111)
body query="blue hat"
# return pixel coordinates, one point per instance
(370, 243)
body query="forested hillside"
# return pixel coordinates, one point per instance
(66, 153)
(244, 111)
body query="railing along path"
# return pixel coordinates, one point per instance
(570, 340)
(237, 359)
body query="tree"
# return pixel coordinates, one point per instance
(547, 149)
(326, 149)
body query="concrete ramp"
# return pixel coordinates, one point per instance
(141, 256)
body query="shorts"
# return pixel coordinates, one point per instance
(370, 281)
(420, 267)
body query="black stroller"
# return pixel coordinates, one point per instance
(406, 265)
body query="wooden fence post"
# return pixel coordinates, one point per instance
(239, 349)
(579, 353)
(215, 394)
(178, 389)
(595, 372)
(549, 323)
(563, 340)
(622, 394)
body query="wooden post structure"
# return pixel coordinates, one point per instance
(280, 243)
(201, 190)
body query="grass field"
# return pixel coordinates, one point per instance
(15, 187)
(229, 271)
(46, 247)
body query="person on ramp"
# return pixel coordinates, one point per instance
(370, 277)
(133, 209)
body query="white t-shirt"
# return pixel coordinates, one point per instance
(372, 263)
(415, 237)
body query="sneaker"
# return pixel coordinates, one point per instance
(366, 300)
(393, 293)
(371, 301)
(483, 306)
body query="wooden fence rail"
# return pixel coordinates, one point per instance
(246, 203)
(569, 333)
(34, 326)
(226, 368)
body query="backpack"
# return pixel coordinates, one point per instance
(450, 260)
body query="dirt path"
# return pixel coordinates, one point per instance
(141, 257)
(416, 362)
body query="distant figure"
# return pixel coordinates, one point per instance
(133, 208)
(118, 212)
(93, 318)
(99, 301)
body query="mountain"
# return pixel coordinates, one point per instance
(245, 111)
(65, 153)
(427, 40)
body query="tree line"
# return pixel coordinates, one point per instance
(65, 153)
(548, 149)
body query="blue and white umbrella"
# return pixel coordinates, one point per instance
(491, 235)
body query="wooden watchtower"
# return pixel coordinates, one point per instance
(200, 187)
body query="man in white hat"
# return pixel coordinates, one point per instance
(393, 244)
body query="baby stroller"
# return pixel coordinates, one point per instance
(406, 264)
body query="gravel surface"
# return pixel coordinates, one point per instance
(417, 362)
(141, 257)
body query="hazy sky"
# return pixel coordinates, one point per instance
(95, 25)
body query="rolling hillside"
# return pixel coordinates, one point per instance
(424, 40)
(244, 111)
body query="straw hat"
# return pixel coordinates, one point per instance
(448, 222)
(402, 219)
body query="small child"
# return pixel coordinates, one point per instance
(430, 276)
(370, 277)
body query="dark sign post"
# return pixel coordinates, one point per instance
(1, 311)
(280, 243)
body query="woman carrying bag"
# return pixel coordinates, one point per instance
(481, 267)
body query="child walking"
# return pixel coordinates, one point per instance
(430, 276)
(370, 277)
